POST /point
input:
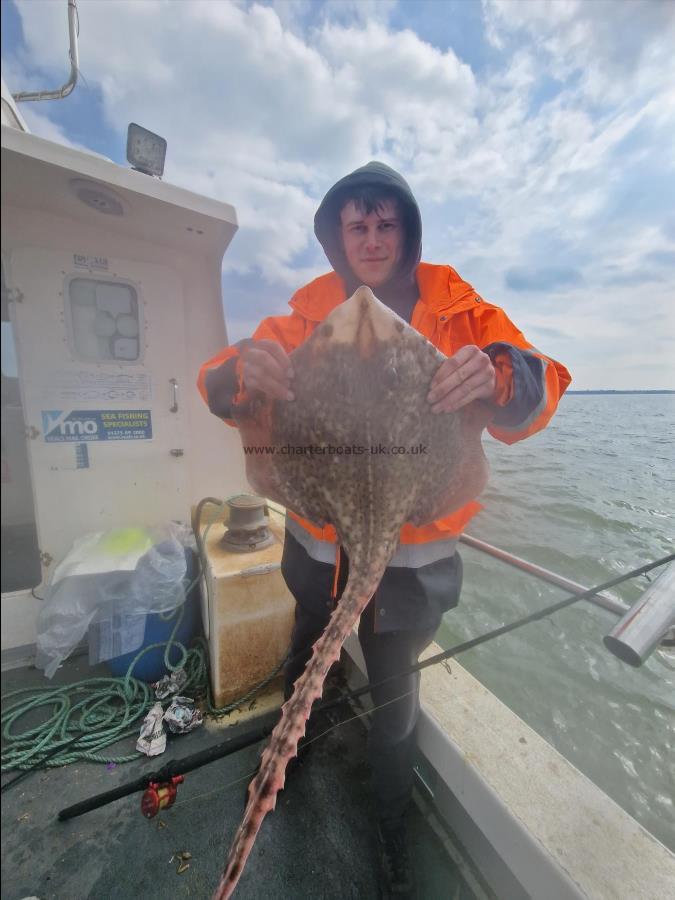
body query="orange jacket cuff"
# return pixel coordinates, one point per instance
(503, 391)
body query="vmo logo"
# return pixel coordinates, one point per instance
(68, 426)
(78, 427)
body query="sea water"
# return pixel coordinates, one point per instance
(590, 497)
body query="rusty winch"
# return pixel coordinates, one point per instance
(248, 527)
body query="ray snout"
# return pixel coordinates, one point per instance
(361, 320)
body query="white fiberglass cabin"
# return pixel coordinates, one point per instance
(111, 300)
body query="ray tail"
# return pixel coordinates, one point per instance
(283, 743)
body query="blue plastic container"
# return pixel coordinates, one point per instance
(151, 667)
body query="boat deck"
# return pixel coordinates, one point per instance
(319, 843)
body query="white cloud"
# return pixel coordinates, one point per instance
(265, 106)
(297, 15)
(274, 118)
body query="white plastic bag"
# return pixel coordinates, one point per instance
(130, 573)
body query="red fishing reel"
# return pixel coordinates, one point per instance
(159, 795)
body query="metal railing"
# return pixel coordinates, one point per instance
(67, 88)
(642, 626)
(610, 603)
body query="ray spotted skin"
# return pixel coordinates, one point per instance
(361, 382)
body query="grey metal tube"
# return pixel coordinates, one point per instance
(615, 606)
(61, 92)
(646, 623)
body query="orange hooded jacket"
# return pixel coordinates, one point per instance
(450, 314)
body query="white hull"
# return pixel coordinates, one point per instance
(532, 823)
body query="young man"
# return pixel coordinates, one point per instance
(370, 229)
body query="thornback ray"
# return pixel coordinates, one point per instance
(363, 452)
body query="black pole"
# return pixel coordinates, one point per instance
(189, 763)
(173, 767)
(43, 760)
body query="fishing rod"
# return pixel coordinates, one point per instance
(172, 773)
(51, 753)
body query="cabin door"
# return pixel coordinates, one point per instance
(102, 368)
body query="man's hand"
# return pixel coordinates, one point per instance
(466, 376)
(266, 367)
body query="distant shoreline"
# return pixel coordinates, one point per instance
(620, 392)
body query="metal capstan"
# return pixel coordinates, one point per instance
(247, 528)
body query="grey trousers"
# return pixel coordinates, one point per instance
(391, 743)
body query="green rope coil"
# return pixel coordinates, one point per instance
(87, 717)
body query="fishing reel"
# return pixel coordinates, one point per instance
(160, 795)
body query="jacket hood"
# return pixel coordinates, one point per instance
(327, 230)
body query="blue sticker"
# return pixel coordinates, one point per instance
(82, 425)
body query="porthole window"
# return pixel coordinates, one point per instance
(104, 320)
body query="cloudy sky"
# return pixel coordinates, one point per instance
(538, 137)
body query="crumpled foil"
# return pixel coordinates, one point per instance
(182, 716)
(152, 739)
(170, 684)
